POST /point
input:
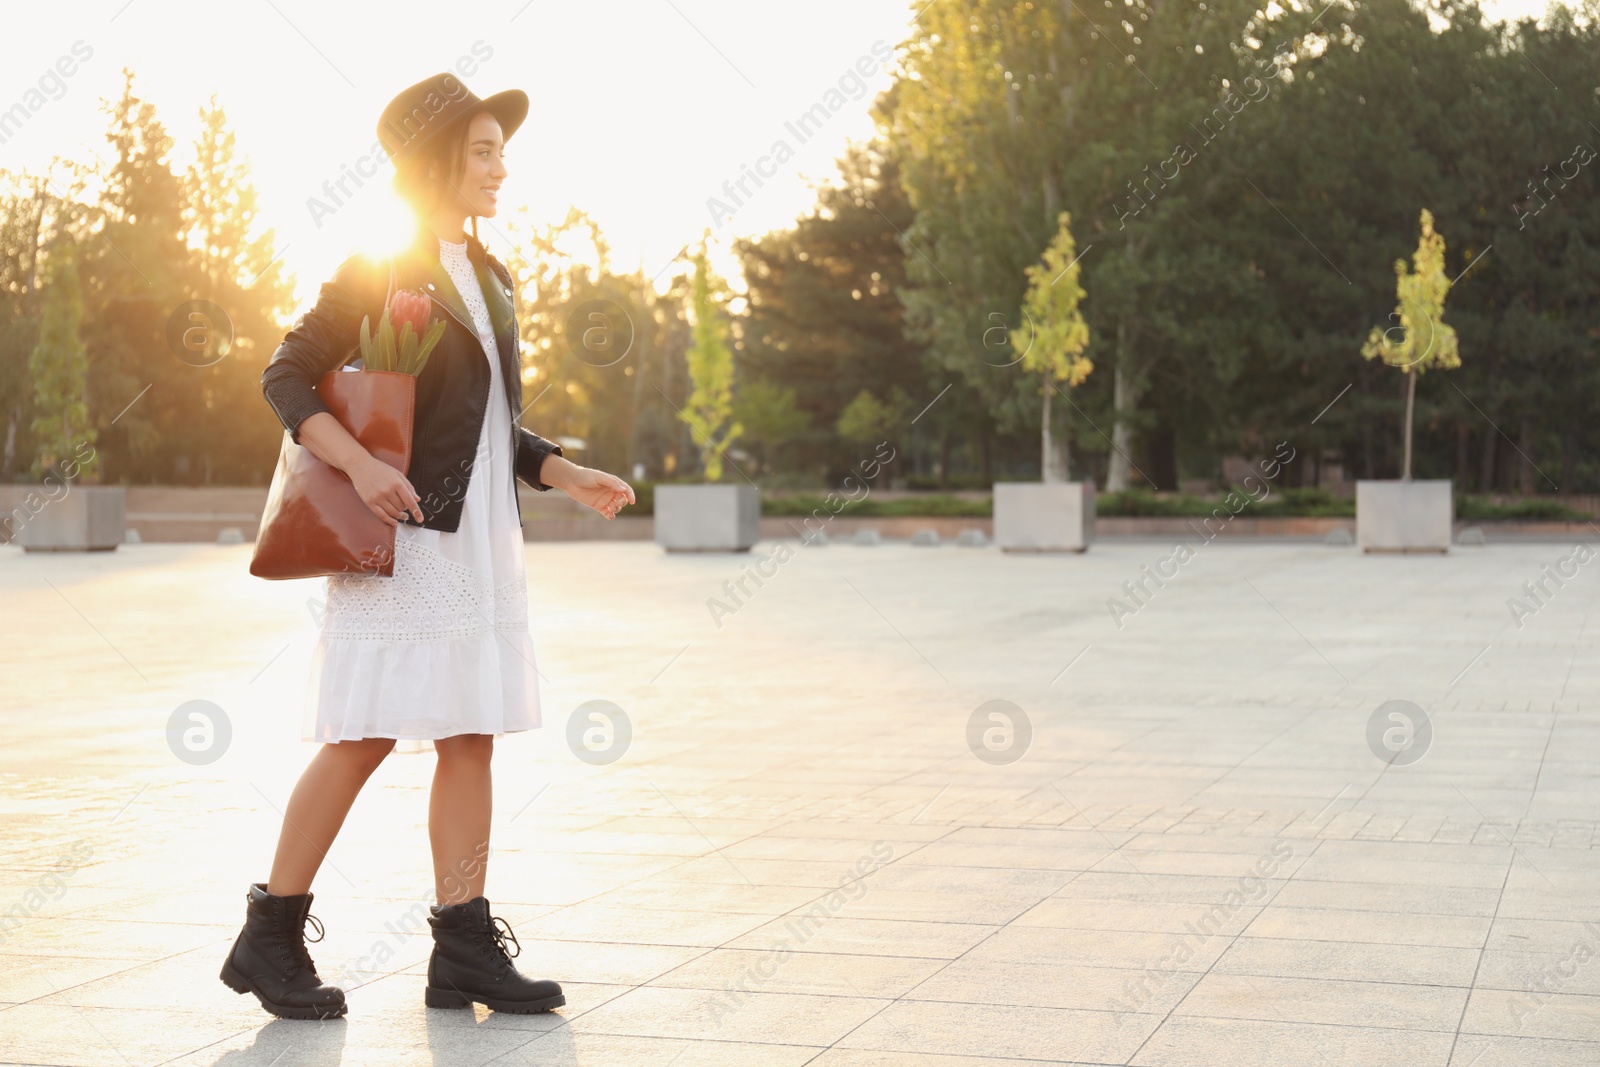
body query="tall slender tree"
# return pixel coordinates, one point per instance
(59, 368)
(23, 206)
(709, 409)
(1422, 339)
(1059, 336)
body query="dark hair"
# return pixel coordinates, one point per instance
(446, 151)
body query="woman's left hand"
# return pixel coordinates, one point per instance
(605, 493)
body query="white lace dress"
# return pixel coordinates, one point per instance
(441, 647)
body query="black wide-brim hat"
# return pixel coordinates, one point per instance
(435, 104)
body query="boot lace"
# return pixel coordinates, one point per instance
(496, 941)
(294, 951)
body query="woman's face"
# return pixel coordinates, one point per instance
(485, 166)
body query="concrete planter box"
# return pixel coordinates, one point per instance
(1415, 516)
(1043, 516)
(88, 518)
(707, 518)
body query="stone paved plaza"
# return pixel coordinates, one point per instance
(1200, 837)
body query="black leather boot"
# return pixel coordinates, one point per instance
(269, 958)
(470, 963)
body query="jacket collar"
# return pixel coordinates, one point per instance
(417, 267)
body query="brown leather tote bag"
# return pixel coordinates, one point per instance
(314, 522)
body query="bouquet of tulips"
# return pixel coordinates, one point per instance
(408, 350)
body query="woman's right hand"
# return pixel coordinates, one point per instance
(387, 492)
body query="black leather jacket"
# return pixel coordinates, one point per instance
(453, 388)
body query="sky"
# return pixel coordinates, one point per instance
(640, 110)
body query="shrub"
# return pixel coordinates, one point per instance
(1469, 506)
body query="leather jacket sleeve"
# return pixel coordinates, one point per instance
(319, 341)
(531, 450)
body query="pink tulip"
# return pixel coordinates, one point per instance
(408, 305)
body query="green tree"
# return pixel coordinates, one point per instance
(235, 267)
(23, 209)
(769, 415)
(36, 213)
(1526, 216)
(151, 242)
(1009, 112)
(1060, 335)
(136, 276)
(596, 344)
(59, 369)
(824, 314)
(709, 408)
(976, 120)
(867, 419)
(1379, 111)
(1424, 340)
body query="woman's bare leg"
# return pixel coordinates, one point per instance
(458, 816)
(317, 807)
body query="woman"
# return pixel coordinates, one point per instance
(438, 654)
